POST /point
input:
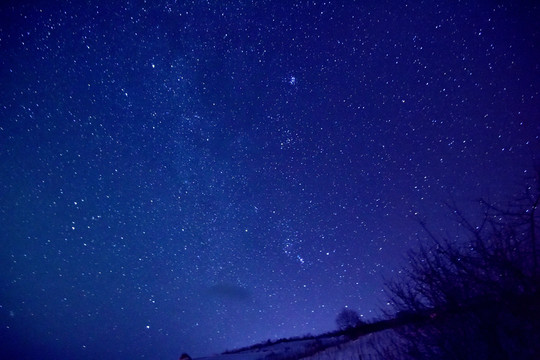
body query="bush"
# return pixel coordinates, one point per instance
(478, 298)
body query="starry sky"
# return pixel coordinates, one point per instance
(195, 176)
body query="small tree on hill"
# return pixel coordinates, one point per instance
(347, 319)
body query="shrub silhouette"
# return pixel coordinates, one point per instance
(478, 298)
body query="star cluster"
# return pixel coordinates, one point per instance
(191, 176)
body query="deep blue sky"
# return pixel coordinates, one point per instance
(194, 176)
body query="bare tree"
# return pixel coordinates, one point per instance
(478, 298)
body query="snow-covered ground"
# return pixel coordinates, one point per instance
(329, 348)
(282, 350)
(368, 347)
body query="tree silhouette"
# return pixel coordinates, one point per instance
(478, 298)
(347, 319)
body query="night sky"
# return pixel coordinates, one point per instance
(196, 176)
